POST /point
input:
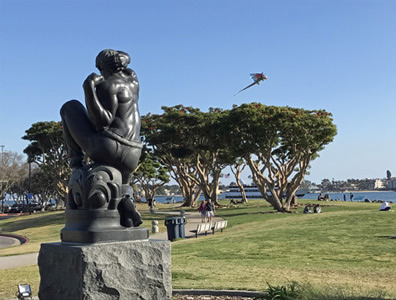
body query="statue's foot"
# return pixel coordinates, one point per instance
(129, 216)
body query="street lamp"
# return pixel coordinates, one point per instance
(2, 150)
(2, 177)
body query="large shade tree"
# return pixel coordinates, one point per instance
(48, 151)
(187, 142)
(13, 170)
(164, 134)
(278, 144)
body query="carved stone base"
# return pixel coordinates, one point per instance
(122, 270)
(92, 226)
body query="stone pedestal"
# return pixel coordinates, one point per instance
(94, 226)
(118, 270)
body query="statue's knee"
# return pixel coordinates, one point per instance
(70, 107)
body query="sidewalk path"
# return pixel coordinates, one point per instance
(193, 219)
(7, 262)
(8, 241)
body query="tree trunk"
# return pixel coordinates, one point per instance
(237, 173)
(190, 197)
(243, 193)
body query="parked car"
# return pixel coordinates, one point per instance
(34, 206)
(49, 206)
(16, 208)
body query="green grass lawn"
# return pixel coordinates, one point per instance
(346, 247)
(344, 251)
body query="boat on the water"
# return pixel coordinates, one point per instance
(252, 192)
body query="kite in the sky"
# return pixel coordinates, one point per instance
(257, 77)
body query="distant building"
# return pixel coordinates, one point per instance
(392, 183)
(375, 184)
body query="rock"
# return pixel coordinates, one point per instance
(119, 270)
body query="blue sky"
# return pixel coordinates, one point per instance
(333, 55)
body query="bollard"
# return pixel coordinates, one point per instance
(154, 228)
(182, 230)
(182, 213)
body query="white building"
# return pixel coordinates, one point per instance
(377, 184)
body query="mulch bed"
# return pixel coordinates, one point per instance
(204, 297)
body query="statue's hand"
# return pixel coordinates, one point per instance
(93, 79)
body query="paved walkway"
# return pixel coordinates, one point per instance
(8, 241)
(193, 219)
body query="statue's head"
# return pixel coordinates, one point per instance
(112, 61)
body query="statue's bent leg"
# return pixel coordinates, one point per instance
(77, 130)
(129, 216)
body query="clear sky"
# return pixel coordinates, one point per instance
(327, 54)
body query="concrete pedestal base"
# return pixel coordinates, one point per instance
(118, 270)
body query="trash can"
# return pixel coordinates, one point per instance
(182, 231)
(173, 227)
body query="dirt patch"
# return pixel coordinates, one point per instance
(206, 297)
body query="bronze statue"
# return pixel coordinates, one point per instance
(108, 132)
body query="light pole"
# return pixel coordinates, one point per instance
(2, 177)
(2, 150)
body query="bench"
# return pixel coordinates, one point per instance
(202, 228)
(219, 225)
(207, 227)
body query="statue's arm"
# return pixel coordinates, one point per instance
(101, 101)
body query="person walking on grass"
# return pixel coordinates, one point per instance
(209, 207)
(202, 210)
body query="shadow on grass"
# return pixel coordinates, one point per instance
(387, 237)
(249, 214)
(43, 220)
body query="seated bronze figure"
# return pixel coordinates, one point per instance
(108, 132)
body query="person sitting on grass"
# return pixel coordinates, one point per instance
(307, 210)
(385, 206)
(317, 209)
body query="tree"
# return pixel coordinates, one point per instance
(278, 144)
(237, 169)
(305, 184)
(48, 151)
(13, 169)
(150, 174)
(326, 185)
(188, 143)
(164, 134)
(388, 175)
(210, 154)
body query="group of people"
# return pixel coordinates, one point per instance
(350, 197)
(326, 197)
(206, 208)
(316, 209)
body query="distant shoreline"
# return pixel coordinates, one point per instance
(360, 191)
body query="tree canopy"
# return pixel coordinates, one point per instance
(277, 143)
(48, 151)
